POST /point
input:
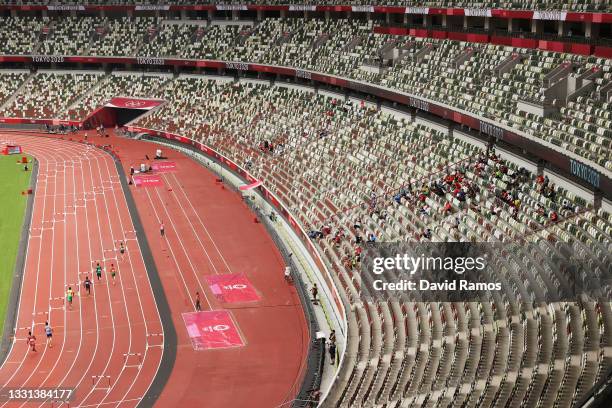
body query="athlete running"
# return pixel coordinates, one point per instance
(98, 270)
(87, 284)
(69, 296)
(113, 273)
(31, 341)
(49, 333)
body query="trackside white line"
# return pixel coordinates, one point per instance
(180, 271)
(136, 286)
(95, 299)
(34, 307)
(108, 293)
(201, 223)
(60, 154)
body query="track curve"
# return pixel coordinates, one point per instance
(101, 346)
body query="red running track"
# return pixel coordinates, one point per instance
(210, 231)
(100, 346)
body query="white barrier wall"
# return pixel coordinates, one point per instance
(218, 78)
(606, 205)
(302, 88)
(469, 139)
(255, 81)
(398, 114)
(518, 160)
(430, 123)
(331, 94)
(358, 101)
(570, 186)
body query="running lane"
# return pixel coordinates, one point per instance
(101, 343)
(210, 234)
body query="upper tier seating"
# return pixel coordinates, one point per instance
(170, 38)
(574, 5)
(211, 42)
(68, 36)
(18, 35)
(124, 36)
(460, 74)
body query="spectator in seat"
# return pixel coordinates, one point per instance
(554, 217)
(460, 195)
(447, 207)
(541, 210)
(398, 198)
(314, 234)
(326, 230)
(425, 210)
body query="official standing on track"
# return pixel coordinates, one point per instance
(332, 353)
(198, 305)
(161, 229)
(314, 291)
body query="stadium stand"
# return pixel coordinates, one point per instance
(578, 5)
(368, 181)
(124, 36)
(67, 36)
(9, 83)
(464, 75)
(212, 42)
(18, 34)
(46, 94)
(351, 174)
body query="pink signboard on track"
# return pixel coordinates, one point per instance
(232, 288)
(213, 329)
(164, 166)
(152, 180)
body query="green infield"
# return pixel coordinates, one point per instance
(13, 180)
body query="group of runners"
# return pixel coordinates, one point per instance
(87, 284)
(31, 339)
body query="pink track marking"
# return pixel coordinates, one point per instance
(232, 288)
(212, 329)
